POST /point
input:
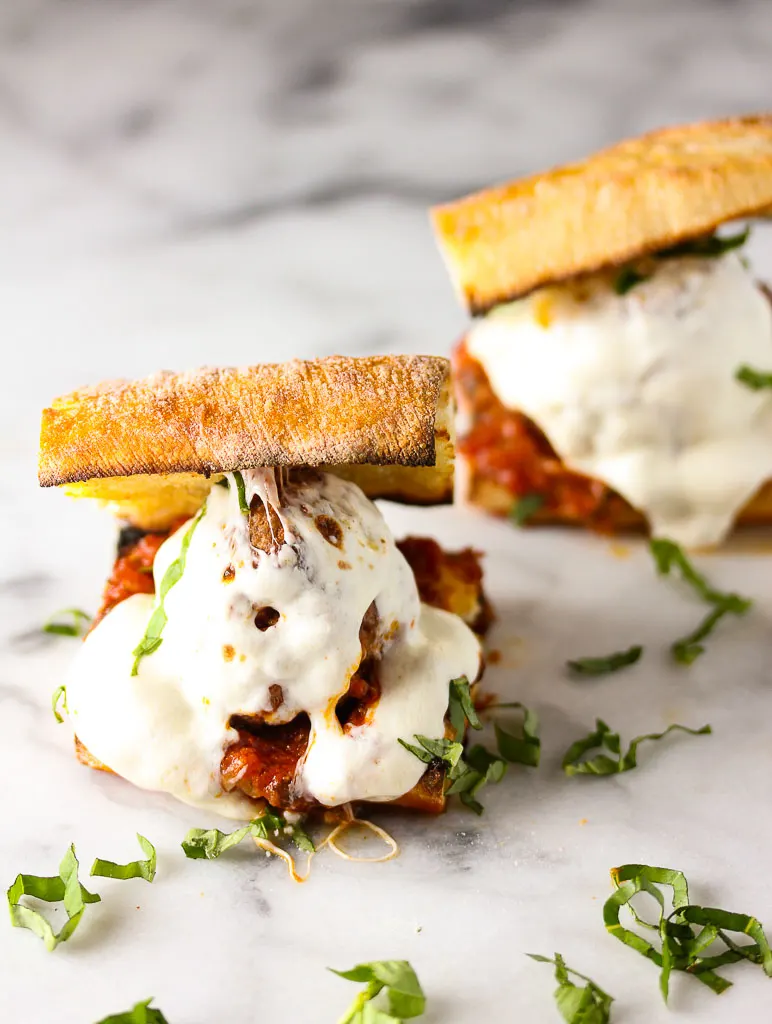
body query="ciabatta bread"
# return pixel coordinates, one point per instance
(152, 448)
(637, 197)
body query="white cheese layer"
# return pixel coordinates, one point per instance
(166, 728)
(639, 390)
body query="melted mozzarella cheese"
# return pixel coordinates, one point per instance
(166, 728)
(639, 390)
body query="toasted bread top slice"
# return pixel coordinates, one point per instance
(639, 196)
(151, 448)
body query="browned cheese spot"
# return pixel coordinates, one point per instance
(276, 695)
(330, 529)
(228, 652)
(266, 617)
(229, 574)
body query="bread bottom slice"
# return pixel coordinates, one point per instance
(504, 456)
(619, 517)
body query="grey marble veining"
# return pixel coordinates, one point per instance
(191, 181)
(181, 179)
(138, 123)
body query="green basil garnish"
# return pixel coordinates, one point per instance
(466, 774)
(141, 1013)
(682, 946)
(272, 825)
(586, 1004)
(134, 869)
(756, 380)
(525, 749)
(77, 627)
(525, 507)
(609, 663)
(476, 769)
(627, 278)
(604, 739)
(64, 887)
(461, 707)
(211, 843)
(403, 990)
(242, 492)
(449, 751)
(669, 556)
(59, 696)
(468, 771)
(708, 246)
(152, 639)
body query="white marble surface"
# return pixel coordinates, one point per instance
(184, 182)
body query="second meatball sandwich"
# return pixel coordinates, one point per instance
(615, 374)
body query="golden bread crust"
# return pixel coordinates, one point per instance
(634, 198)
(149, 447)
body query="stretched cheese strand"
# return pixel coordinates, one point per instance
(166, 727)
(639, 390)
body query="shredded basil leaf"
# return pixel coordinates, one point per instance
(59, 695)
(461, 707)
(525, 507)
(141, 1013)
(604, 739)
(211, 843)
(681, 944)
(242, 493)
(627, 278)
(64, 887)
(519, 750)
(687, 649)
(152, 639)
(272, 825)
(609, 663)
(669, 556)
(77, 627)
(756, 380)
(708, 246)
(134, 869)
(587, 1004)
(403, 990)
(468, 771)
(478, 767)
(449, 751)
